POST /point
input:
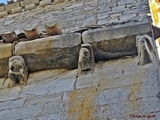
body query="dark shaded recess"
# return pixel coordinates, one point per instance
(22, 35)
(53, 59)
(36, 63)
(81, 31)
(100, 55)
(115, 48)
(156, 32)
(1, 37)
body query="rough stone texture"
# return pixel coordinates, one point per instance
(72, 15)
(45, 2)
(1, 8)
(30, 7)
(16, 10)
(4, 13)
(27, 2)
(5, 53)
(116, 89)
(59, 51)
(9, 7)
(121, 39)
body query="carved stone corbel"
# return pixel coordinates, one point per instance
(18, 72)
(146, 50)
(86, 59)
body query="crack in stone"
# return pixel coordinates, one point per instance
(75, 82)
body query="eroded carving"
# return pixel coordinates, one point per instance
(53, 30)
(86, 58)
(9, 37)
(18, 72)
(32, 34)
(146, 50)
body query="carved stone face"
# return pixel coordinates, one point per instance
(16, 67)
(84, 58)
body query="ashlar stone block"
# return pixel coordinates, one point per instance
(9, 7)
(30, 7)
(45, 2)
(5, 54)
(4, 13)
(27, 2)
(60, 51)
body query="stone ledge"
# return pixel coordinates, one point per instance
(59, 51)
(120, 39)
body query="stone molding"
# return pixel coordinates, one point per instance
(62, 51)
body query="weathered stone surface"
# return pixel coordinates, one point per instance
(12, 104)
(116, 89)
(58, 1)
(30, 7)
(2, 8)
(116, 39)
(16, 10)
(45, 2)
(51, 86)
(9, 7)
(127, 17)
(59, 51)
(87, 81)
(20, 113)
(4, 13)
(10, 94)
(43, 99)
(5, 53)
(27, 2)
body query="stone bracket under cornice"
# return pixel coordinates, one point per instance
(62, 51)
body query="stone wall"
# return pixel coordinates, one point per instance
(118, 89)
(74, 15)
